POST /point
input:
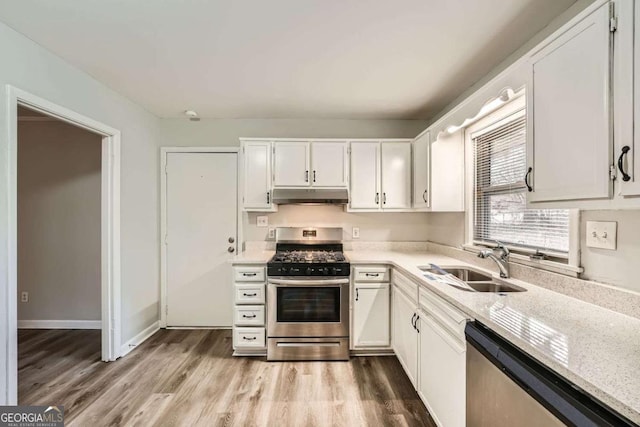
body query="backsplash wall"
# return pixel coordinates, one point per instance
(374, 227)
(605, 266)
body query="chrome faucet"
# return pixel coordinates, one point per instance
(502, 260)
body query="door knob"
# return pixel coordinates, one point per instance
(231, 240)
(231, 249)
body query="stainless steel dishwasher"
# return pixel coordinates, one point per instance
(506, 387)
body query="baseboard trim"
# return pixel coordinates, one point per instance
(139, 339)
(59, 324)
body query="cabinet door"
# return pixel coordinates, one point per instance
(629, 158)
(257, 175)
(442, 382)
(291, 164)
(447, 173)
(371, 315)
(421, 171)
(329, 164)
(396, 175)
(365, 175)
(569, 141)
(405, 337)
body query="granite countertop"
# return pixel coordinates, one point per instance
(595, 348)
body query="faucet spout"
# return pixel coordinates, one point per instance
(502, 261)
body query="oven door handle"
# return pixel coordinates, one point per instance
(308, 282)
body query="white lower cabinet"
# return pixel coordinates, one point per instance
(405, 333)
(442, 360)
(371, 315)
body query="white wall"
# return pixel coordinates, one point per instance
(409, 227)
(446, 228)
(619, 267)
(210, 132)
(29, 67)
(59, 209)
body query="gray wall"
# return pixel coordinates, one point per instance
(373, 226)
(29, 67)
(59, 209)
(210, 132)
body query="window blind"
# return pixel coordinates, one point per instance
(500, 211)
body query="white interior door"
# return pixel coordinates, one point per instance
(201, 219)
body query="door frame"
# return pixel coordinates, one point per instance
(110, 227)
(164, 151)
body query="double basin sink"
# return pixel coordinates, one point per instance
(473, 280)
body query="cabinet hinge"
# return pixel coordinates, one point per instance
(612, 172)
(613, 24)
(166, 168)
(166, 237)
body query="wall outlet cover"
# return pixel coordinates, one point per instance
(262, 221)
(602, 234)
(355, 233)
(272, 233)
(24, 296)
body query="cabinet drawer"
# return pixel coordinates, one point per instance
(248, 274)
(249, 315)
(248, 338)
(249, 293)
(407, 286)
(447, 315)
(371, 274)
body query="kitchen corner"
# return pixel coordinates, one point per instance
(593, 347)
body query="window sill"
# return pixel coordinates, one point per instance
(553, 266)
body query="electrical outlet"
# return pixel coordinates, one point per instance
(262, 221)
(24, 296)
(272, 233)
(355, 233)
(602, 234)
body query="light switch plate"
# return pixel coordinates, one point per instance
(355, 233)
(262, 221)
(602, 234)
(272, 233)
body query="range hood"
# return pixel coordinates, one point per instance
(282, 196)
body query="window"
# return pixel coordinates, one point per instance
(500, 211)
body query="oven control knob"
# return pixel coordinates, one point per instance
(283, 270)
(309, 271)
(335, 270)
(325, 271)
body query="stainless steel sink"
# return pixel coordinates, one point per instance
(477, 280)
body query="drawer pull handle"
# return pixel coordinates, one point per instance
(249, 338)
(372, 274)
(253, 316)
(249, 274)
(250, 295)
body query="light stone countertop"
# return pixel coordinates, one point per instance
(595, 348)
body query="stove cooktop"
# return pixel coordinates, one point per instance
(308, 263)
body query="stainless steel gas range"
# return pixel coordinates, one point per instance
(308, 296)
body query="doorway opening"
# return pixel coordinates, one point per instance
(55, 224)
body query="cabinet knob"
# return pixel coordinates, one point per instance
(231, 249)
(231, 240)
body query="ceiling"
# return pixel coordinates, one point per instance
(344, 59)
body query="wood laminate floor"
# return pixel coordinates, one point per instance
(188, 377)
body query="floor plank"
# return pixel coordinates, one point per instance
(188, 377)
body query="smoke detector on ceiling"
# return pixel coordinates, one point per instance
(193, 116)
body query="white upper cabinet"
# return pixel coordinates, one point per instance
(291, 164)
(380, 175)
(310, 164)
(396, 175)
(329, 164)
(421, 148)
(257, 175)
(365, 175)
(628, 149)
(568, 105)
(447, 173)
